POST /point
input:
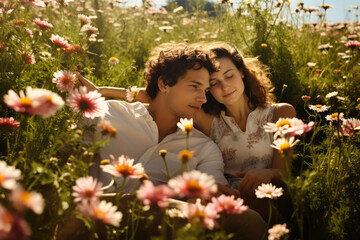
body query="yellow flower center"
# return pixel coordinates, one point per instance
(193, 186)
(185, 155)
(26, 102)
(283, 123)
(2, 178)
(113, 59)
(199, 214)
(124, 170)
(49, 99)
(318, 106)
(334, 115)
(100, 214)
(25, 197)
(88, 193)
(284, 146)
(105, 161)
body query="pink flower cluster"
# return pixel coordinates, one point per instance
(289, 127)
(9, 123)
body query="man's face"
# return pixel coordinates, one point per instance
(186, 97)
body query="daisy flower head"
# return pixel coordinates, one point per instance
(305, 98)
(22, 200)
(84, 19)
(185, 156)
(186, 125)
(163, 152)
(8, 176)
(43, 24)
(91, 104)
(151, 195)
(59, 41)
(131, 93)
(350, 126)
(107, 129)
(64, 80)
(113, 61)
(268, 191)
(228, 204)
(319, 108)
(277, 231)
(311, 64)
(103, 211)
(12, 226)
(175, 213)
(352, 44)
(193, 184)
(326, 6)
(124, 167)
(33, 3)
(335, 117)
(89, 30)
(331, 94)
(198, 213)
(297, 128)
(284, 144)
(8, 123)
(86, 188)
(28, 58)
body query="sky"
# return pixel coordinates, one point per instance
(337, 14)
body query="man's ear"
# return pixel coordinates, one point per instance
(161, 84)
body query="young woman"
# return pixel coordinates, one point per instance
(239, 103)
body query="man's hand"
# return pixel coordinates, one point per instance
(252, 178)
(226, 190)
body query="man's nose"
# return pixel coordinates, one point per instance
(202, 97)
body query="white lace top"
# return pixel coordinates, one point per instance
(244, 150)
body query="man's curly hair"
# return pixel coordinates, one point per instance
(171, 61)
(258, 86)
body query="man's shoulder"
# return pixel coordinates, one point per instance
(123, 106)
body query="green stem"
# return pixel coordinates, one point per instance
(167, 169)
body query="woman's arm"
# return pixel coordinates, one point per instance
(113, 92)
(203, 121)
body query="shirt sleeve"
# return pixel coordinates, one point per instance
(217, 129)
(211, 162)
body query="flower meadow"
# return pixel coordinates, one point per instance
(45, 190)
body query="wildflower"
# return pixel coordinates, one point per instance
(124, 167)
(103, 211)
(175, 213)
(8, 123)
(277, 231)
(113, 60)
(12, 226)
(144, 178)
(84, 19)
(43, 24)
(352, 44)
(36, 101)
(268, 191)
(131, 93)
(166, 28)
(64, 80)
(305, 98)
(28, 58)
(163, 152)
(198, 213)
(91, 104)
(284, 144)
(107, 128)
(22, 199)
(149, 194)
(74, 48)
(8, 176)
(33, 3)
(185, 156)
(186, 125)
(319, 108)
(29, 32)
(334, 117)
(325, 46)
(228, 204)
(331, 94)
(350, 126)
(326, 6)
(193, 184)
(311, 64)
(178, 9)
(89, 30)
(59, 41)
(264, 45)
(86, 188)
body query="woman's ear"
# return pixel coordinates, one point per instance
(162, 85)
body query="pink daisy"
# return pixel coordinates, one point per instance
(22, 200)
(59, 41)
(277, 231)
(91, 104)
(149, 194)
(124, 167)
(228, 204)
(43, 24)
(9, 123)
(86, 188)
(33, 3)
(350, 126)
(28, 58)
(8, 176)
(198, 213)
(102, 211)
(89, 30)
(193, 184)
(64, 80)
(352, 44)
(12, 226)
(288, 127)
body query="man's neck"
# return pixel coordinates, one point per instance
(165, 121)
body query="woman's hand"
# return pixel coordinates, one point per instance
(84, 82)
(252, 178)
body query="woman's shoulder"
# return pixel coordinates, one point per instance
(283, 110)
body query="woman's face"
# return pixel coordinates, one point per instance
(227, 84)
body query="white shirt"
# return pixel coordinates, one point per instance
(137, 138)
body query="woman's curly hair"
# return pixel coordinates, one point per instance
(258, 86)
(171, 61)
